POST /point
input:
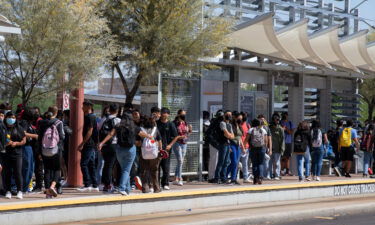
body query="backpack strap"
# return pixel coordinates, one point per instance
(153, 131)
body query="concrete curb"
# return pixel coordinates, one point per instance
(290, 216)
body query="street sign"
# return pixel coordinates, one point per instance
(66, 98)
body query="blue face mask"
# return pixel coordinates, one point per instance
(10, 121)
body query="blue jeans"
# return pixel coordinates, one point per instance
(180, 151)
(257, 158)
(265, 166)
(274, 164)
(367, 156)
(99, 165)
(245, 164)
(27, 166)
(303, 159)
(235, 155)
(125, 157)
(222, 163)
(88, 167)
(317, 160)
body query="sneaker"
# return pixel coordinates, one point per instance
(314, 177)
(151, 190)
(123, 193)
(268, 178)
(133, 187)
(228, 182)
(8, 195)
(277, 178)
(180, 183)
(83, 189)
(347, 175)
(166, 187)
(365, 175)
(308, 179)
(52, 191)
(317, 178)
(94, 189)
(247, 181)
(235, 182)
(19, 195)
(138, 182)
(300, 179)
(175, 182)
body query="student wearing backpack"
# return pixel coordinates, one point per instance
(149, 158)
(347, 142)
(278, 146)
(318, 138)
(109, 148)
(126, 133)
(179, 149)
(257, 139)
(15, 138)
(88, 149)
(367, 145)
(51, 133)
(302, 145)
(169, 137)
(226, 135)
(213, 137)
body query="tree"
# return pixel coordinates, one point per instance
(161, 36)
(367, 91)
(58, 37)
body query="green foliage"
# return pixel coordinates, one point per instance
(58, 37)
(161, 36)
(368, 94)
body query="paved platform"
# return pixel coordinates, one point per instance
(74, 206)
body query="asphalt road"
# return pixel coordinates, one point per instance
(353, 219)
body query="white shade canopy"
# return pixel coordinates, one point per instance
(371, 50)
(294, 38)
(258, 36)
(6, 27)
(326, 44)
(354, 49)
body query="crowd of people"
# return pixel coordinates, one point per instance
(124, 149)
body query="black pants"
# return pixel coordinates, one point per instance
(38, 169)
(52, 169)
(13, 166)
(149, 173)
(109, 156)
(165, 167)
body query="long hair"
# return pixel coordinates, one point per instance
(315, 126)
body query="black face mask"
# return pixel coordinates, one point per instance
(228, 118)
(183, 117)
(244, 119)
(239, 121)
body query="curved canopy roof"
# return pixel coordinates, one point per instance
(354, 48)
(258, 36)
(294, 38)
(371, 50)
(326, 45)
(7, 27)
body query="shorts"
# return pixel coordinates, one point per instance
(288, 150)
(347, 153)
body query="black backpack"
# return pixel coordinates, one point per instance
(106, 128)
(300, 142)
(215, 136)
(125, 137)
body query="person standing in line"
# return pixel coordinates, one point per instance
(179, 149)
(237, 147)
(245, 156)
(302, 144)
(257, 139)
(15, 138)
(318, 138)
(51, 133)
(206, 148)
(348, 143)
(169, 136)
(226, 135)
(367, 146)
(288, 127)
(268, 149)
(155, 113)
(214, 138)
(109, 149)
(88, 149)
(278, 146)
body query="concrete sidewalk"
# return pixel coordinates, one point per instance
(74, 206)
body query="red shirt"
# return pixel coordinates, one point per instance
(245, 128)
